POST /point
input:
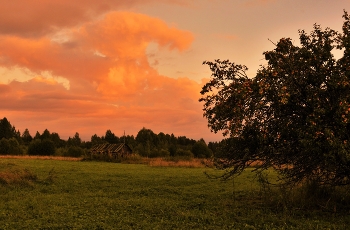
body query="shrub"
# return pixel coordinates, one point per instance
(164, 153)
(159, 153)
(201, 150)
(43, 148)
(12, 175)
(10, 147)
(62, 151)
(4, 146)
(184, 153)
(143, 150)
(15, 147)
(74, 151)
(307, 195)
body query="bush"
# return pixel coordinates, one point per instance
(62, 151)
(307, 195)
(172, 150)
(42, 148)
(4, 146)
(10, 147)
(201, 150)
(74, 151)
(184, 153)
(159, 153)
(13, 175)
(142, 150)
(164, 153)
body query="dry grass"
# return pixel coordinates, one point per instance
(11, 174)
(134, 159)
(193, 163)
(43, 157)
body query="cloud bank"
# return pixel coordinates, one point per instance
(101, 52)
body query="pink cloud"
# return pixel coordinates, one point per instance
(112, 85)
(36, 18)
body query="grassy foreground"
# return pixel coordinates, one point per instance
(52, 194)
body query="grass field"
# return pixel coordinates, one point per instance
(61, 194)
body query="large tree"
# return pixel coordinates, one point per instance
(26, 137)
(74, 141)
(110, 137)
(294, 115)
(7, 130)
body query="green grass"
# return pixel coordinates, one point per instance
(100, 195)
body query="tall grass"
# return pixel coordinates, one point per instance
(178, 161)
(304, 197)
(103, 195)
(60, 158)
(10, 174)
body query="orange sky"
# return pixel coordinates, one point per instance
(87, 66)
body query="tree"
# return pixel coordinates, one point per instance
(55, 138)
(74, 151)
(95, 140)
(201, 150)
(41, 147)
(147, 136)
(294, 115)
(45, 135)
(37, 135)
(10, 147)
(6, 129)
(129, 140)
(26, 137)
(110, 137)
(5, 147)
(183, 153)
(75, 141)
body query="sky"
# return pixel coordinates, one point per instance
(89, 66)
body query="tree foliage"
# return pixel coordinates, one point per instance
(146, 143)
(74, 151)
(294, 115)
(201, 150)
(74, 141)
(110, 137)
(42, 147)
(6, 129)
(10, 147)
(26, 137)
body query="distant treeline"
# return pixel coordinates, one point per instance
(146, 143)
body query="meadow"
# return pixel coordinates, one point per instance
(66, 194)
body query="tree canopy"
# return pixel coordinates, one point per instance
(6, 129)
(146, 143)
(294, 115)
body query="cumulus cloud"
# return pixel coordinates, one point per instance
(41, 17)
(112, 84)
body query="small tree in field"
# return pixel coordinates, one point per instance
(294, 115)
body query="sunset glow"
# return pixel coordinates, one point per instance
(88, 66)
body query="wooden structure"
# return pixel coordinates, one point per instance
(111, 150)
